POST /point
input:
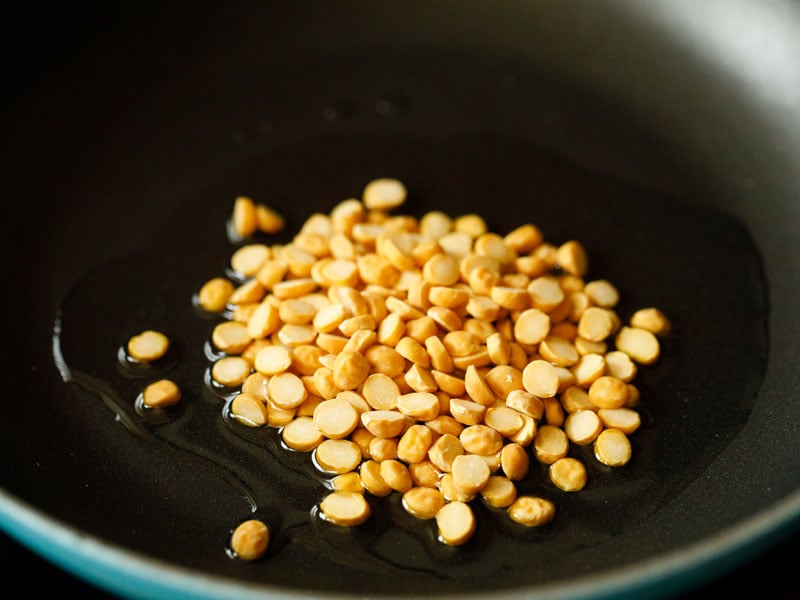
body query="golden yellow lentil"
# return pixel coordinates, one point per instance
(250, 540)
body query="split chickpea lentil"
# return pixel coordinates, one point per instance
(428, 357)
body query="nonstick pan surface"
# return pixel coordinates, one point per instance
(652, 134)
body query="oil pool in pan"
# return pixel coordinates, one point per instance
(153, 290)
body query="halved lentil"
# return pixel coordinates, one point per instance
(347, 482)
(540, 379)
(243, 219)
(640, 344)
(625, 419)
(470, 473)
(214, 294)
(613, 448)
(583, 426)
(514, 461)
(584, 346)
(568, 474)
(651, 319)
(161, 394)
(345, 508)
(249, 410)
(301, 434)
(395, 474)
(337, 456)
(531, 511)
(335, 418)
(550, 444)
(381, 449)
(250, 540)
(384, 423)
(608, 391)
(372, 479)
(384, 193)
(231, 337)
(248, 259)
(268, 220)
(148, 346)
(423, 502)
(456, 523)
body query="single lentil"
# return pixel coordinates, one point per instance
(250, 540)
(148, 346)
(161, 394)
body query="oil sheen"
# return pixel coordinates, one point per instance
(658, 250)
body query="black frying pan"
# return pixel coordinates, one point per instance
(663, 136)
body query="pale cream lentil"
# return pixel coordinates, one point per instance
(456, 523)
(249, 409)
(640, 344)
(499, 491)
(214, 294)
(613, 448)
(231, 371)
(148, 346)
(345, 508)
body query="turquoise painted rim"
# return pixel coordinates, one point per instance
(135, 576)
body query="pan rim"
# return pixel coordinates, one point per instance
(118, 570)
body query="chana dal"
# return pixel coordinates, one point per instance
(427, 357)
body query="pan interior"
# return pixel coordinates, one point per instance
(694, 401)
(146, 211)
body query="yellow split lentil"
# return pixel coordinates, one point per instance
(426, 356)
(148, 346)
(161, 394)
(250, 540)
